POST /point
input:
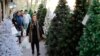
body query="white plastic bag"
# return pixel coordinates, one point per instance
(25, 43)
(19, 33)
(14, 30)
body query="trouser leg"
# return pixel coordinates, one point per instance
(19, 37)
(21, 32)
(37, 47)
(25, 26)
(32, 46)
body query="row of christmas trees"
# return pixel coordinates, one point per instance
(68, 37)
(41, 13)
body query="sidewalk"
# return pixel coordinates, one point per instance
(27, 50)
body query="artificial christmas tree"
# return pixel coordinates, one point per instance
(31, 12)
(59, 34)
(76, 33)
(8, 42)
(41, 14)
(90, 41)
(77, 26)
(80, 9)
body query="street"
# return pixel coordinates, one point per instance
(27, 48)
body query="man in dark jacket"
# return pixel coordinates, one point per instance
(35, 32)
(19, 21)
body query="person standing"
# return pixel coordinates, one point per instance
(19, 22)
(27, 19)
(35, 32)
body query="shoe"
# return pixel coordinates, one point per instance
(32, 53)
(38, 54)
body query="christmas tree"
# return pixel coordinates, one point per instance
(80, 9)
(77, 26)
(8, 42)
(31, 12)
(41, 14)
(59, 33)
(90, 41)
(76, 32)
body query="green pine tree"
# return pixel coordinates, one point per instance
(30, 12)
(59, 34)
(90, 41)
(80, 9)
(77, 27)
(76, 32)
(41, 14)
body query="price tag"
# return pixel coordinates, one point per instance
(85, 19)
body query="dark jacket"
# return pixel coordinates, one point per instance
(35, 32)
(14, 20)
(19, 22)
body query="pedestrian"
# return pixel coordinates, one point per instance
(35, 32)
(27, 19)
(22, 18)
(19, 22)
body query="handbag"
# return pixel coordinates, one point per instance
(25, 44)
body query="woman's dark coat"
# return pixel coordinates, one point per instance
(34, 31)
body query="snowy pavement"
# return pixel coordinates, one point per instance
(27, 48)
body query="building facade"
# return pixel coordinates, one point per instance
(4, 7)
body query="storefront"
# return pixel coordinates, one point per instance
(6, 6)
